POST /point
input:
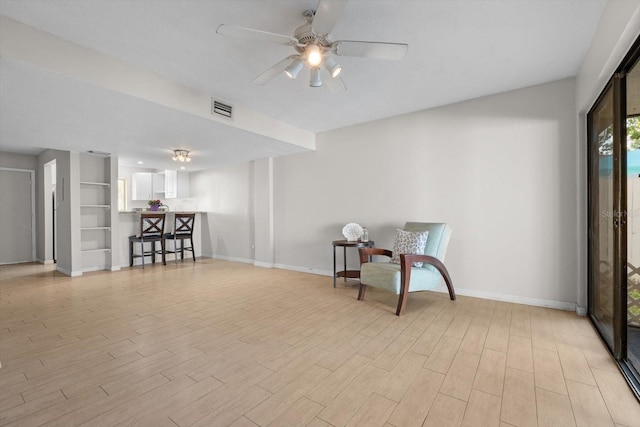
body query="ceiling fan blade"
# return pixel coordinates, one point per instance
(378, 50)
(265, 77)
(334, 85)
(327, 14)
(258, 35)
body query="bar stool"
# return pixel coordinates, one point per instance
(182, 230)
(151, 230)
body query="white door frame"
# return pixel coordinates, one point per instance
(32, 176)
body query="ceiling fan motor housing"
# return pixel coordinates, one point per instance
(305, 35)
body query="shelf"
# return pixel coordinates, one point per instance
(95, 228)
(85, 251)
(102, 184)
(96, 206)
(349, 274)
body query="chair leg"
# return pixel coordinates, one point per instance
(193, 252)
(130, 253)
(361, 291)
(405, 279)
(445, 275)
(142, 253)
(175, 250)
(162, 247)
(402, 302)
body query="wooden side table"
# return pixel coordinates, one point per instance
(351, 274)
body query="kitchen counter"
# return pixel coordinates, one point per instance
(167, 212)
(130, 225)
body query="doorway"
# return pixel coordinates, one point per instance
(50, 209)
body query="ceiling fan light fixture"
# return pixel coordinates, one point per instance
(315, 78)
(314, 55)
(294, 68)
(181, 156)
(332, 67)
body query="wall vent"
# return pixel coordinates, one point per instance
(221, 109)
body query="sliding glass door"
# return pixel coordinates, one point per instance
(602, 265)
(614, 216)
(633, 216)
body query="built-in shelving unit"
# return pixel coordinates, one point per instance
(95, 212)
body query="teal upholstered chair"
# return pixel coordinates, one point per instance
(403, 278)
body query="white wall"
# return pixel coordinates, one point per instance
(18, 161)
(227, 196)
(264, 237)
(501, 170)
(68, 212)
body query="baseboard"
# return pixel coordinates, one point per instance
(68, 272)
(16, 262)
(263, 264)
(45, 261)
(537, 302)
(228, 258)
(304, 269)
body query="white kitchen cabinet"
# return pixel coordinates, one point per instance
(142, 186)
(158, 185)
(176, 184)
(183, 185)
(170, 184)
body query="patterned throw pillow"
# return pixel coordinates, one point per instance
(409, 242)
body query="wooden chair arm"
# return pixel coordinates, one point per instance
(405, 267)
(365, 253)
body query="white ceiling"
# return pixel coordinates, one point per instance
(458, 50)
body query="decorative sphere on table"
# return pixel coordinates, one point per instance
(352, 232)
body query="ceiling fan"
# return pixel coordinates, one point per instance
(315, 49)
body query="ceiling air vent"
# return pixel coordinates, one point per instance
(221, 109)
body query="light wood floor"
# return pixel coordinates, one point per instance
(218, 343)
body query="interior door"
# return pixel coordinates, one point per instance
(15, 217)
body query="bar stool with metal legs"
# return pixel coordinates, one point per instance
(151, 231)
(182, 230)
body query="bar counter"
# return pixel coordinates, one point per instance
(130, 225)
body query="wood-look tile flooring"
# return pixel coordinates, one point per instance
(217, 343)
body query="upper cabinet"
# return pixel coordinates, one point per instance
(176, 184)
(158, 184)
(142, 186)
(169, 184)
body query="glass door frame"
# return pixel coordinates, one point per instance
(617, 83)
